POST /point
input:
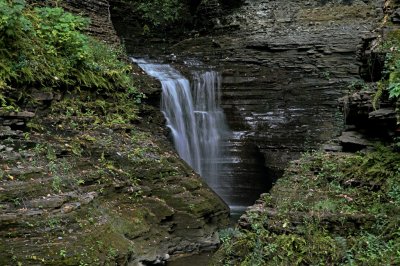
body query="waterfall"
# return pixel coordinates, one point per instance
(211, 124)
(194, 117)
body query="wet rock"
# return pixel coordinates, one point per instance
(22, 115)
(25, 172)
(8, 217)
(10, 156)
(361, 114)
(284, 69)
(43, 96)
(7, 132)
(89, 197)
(396, 16)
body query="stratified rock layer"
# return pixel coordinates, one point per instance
(99, 13)
(79, 192)
(284, 65)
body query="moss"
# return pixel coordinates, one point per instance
(328, 209)
(126, 185)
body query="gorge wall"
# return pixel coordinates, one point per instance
(284, 67)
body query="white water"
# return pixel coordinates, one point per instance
(194, 116)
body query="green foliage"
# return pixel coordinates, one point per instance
(391, 80)
(159, 13)
(358, 85)
(328, 209)
(46, 47)
(83, 110)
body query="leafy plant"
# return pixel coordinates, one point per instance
(159, 13)
(46, 47)
(391, 79)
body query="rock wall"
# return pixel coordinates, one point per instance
(77, 193)
(284, 66)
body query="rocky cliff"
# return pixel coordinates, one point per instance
(284, 65)
(329, 207)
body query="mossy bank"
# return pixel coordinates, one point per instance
(82, 192)
(328, 209)
(87, 176)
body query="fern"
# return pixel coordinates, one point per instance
(47, 46)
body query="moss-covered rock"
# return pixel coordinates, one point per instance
(91, 185)
(328, 209)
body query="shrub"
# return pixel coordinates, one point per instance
(392, 64)
(46, 47)
(159, 13)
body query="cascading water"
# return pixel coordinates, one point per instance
(193, 115)
(211, 125)
(178, 110)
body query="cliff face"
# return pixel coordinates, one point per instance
(99, 13)
(311, 205)
(284, 65)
